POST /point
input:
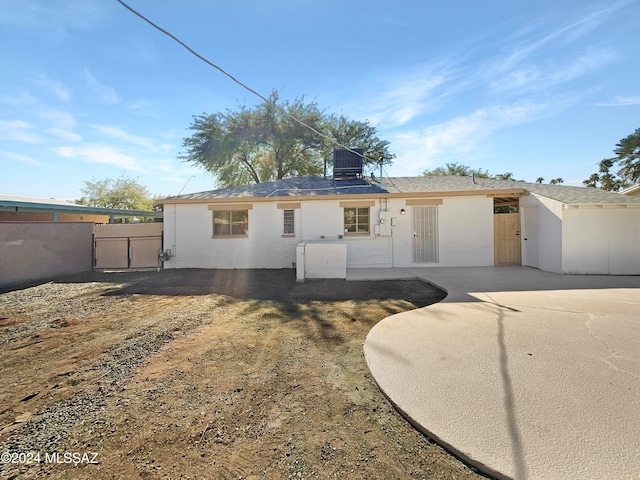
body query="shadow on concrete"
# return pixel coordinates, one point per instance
(515, 437)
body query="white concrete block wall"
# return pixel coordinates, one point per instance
(191, 241)
(325, 260)
(601, 240)
(570, 240)
(321, 219)
(326, 219)
(466, 232)
(401, 232)
(465, 229)
(372, 251)
(550, 244)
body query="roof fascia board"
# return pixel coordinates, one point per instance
(631, 189)
(584, 206)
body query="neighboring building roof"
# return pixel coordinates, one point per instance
(50, 205)
(319, 186)
(633, 190)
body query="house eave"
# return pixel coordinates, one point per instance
(575, 206)
(316, 197)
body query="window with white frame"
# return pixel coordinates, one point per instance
(356, 220)
(230, 223)
(288, 223)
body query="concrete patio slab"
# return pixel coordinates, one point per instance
(522, 373)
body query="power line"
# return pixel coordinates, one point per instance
(224, 72)
(394, 185)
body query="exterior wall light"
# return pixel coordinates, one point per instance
(403, 212)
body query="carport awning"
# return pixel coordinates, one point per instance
(54, 208)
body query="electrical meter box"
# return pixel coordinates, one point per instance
(385, 224)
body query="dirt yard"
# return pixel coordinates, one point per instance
(204, 374)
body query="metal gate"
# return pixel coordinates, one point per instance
(424, 246)
(127, 246)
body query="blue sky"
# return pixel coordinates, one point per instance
(537, 88)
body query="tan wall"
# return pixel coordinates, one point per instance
(25, 217)
(111, 230)
(74, 217)
(126, 245)
(48, 217)
(34, 251)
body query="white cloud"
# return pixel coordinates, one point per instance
(18, 99)
(56, 88)
(120, 134)
(19, 131)
(457, 138)
(534, 61)
(166, 147)
(56, 15)
(61, 124)
(58, 119)
(99, 154)
(591, 21)
(102, 93)
(537, 59)
(403, 97)
(519, 51)
(177, 180)
(65, 134)
(468, 96)
(621, 101)
(406, 98)
(537, 78)
(18, 157)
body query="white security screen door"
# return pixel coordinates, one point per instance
(424, 245)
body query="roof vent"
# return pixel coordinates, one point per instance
(347, 165)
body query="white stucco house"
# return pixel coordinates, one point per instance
(324, 225)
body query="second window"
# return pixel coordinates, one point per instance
(356, 220)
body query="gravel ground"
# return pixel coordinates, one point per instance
(205, 374)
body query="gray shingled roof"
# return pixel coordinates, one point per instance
(312, 186)
(562, 193)
(579, 195)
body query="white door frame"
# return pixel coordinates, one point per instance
(530, 236)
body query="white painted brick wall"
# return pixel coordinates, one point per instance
(466, 235)
(549, 232)
(466, 232)
(601, 241)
